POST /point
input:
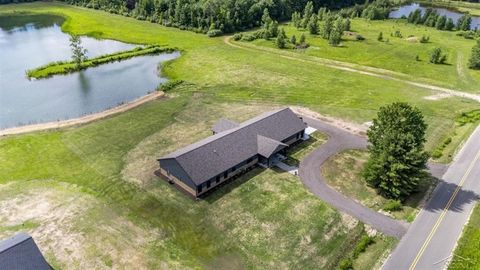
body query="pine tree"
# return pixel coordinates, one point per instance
(307, 13)
(441, 23)
(293, 40)
(280, 41)
(327, 26)
(296, 19)
(302, 39)
(313, 25)
(336, 34)
(346, 25)
(397, 160)
(449, 25)
(474, 62)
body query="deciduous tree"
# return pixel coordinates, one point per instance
(79, 54)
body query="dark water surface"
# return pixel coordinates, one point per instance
(27, 42)
(405, 11)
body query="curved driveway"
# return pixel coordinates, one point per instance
(309, 172)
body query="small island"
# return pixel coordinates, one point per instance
(65, 67)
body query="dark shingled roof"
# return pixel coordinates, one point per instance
(224, 125)
(21, 253)
(214, 155)
(266, 146)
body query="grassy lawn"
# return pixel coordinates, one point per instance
(265, 220)
(230, 74)
(96, 182)
(466, 255)
(343, 172)
(398, 54)
(297, 152)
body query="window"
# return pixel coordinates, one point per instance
(217, 180)
(234, 168)
(208, 184)
(225, 174)
(249, 160)
(199, 188)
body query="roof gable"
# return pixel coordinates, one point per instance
(266, 146)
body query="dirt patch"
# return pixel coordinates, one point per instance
(348, 126)
(413, 39)
(73, 229)
(438, 96)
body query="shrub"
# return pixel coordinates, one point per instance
(424, 39)
(362, 245)
(169, 85)
(237, 37)
(346, 264)
(392, 206)
(359, 38)
(214, 33)
(248, 38)
(437, 57)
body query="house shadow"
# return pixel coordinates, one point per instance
(444, 194)
(231, 184)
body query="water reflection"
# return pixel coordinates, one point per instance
(404, 11)
(30, 41)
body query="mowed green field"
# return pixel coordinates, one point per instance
(266, 220)
(93, 186)
(398, 54)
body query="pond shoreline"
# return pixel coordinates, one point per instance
(83, 119)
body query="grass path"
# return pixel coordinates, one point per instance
(354, 68)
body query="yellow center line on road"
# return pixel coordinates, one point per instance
(445, 210)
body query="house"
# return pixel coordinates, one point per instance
(21, 253)
(232, 149)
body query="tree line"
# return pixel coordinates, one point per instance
(431, 18)
(218, 16)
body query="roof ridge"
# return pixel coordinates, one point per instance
(228, 132)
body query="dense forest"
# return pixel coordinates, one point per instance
(217, 16)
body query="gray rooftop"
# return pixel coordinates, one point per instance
(21, 253)
(212, 156)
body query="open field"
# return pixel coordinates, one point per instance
(397, 54)
(109, 163)
(343, 172)
(466, 254)
(105, 169)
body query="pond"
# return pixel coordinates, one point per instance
(29, 41)
(454, 15)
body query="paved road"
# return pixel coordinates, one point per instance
(309, 172)
(432, 237)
